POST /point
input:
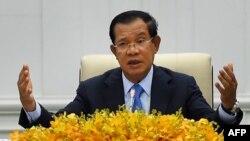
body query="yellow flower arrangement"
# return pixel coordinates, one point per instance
(122, 125)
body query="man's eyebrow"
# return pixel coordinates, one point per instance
(122, 39)
(142, 34)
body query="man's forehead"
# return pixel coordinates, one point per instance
(136, 32)
(133, 28)
(131, 25)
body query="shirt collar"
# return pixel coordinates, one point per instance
(145, 83)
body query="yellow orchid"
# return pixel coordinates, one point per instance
(122, 125)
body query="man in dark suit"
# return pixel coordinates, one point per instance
(135, 42)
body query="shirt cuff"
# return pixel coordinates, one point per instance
(34, 115)
(227, 118)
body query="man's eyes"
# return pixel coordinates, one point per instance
(140, 40)
(122, 43)
(125, 43)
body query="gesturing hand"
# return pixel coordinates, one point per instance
(25, 89)
(228, 87)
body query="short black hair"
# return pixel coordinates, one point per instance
(129, 16)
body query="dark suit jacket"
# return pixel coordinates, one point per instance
(170, 91)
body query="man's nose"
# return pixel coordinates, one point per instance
(133, 49)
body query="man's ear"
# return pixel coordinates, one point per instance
(113, 49)
(157, 41)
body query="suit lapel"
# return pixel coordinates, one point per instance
(114, 96)
(161, 91)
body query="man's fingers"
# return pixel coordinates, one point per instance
(223, 80)
(30, 90)
(230, 66)
(24, 86)
(218, 86)
(226, 78)
(23, 77)
(229, 75)
(23, 74)
(27, 84)
(24, 81)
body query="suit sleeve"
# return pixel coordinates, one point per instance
(199, 108)
(43, 120)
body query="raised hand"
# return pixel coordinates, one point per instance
(228, 87)
(24, 84)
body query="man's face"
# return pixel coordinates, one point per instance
(134, 49)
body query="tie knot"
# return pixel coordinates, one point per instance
(138, 90)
